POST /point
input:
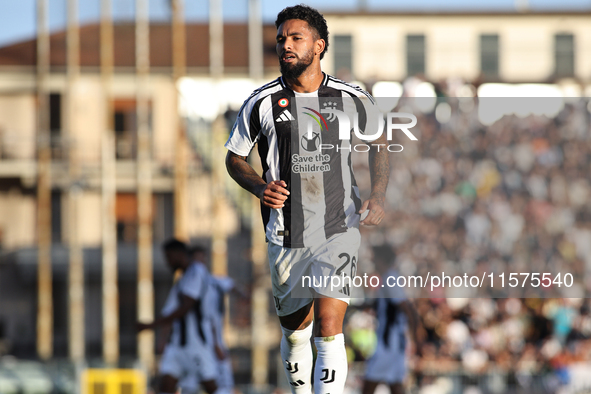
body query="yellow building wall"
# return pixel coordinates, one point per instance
(18, 125)
(526, 44)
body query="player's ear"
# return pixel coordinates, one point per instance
(319, 46)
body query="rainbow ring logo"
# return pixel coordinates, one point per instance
(316, 119)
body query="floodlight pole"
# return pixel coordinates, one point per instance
(260, 296)
(181, 162)
(255, 40)
(44, 273)
(76, 269)
(144, 186)
(216, 55)
(260, 292)
(110, 291)
(219, 235)
(216, 39)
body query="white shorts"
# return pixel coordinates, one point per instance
(388, 365)
(181, 361)
(300, 274)
(225, 376)
(224, 379)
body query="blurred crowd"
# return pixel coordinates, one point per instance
(524, 338)
(510, 197)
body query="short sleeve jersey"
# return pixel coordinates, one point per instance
(214, 307)
(300, 144)
(191, 329)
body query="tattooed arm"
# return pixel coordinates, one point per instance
(272, 194)
(379, 170)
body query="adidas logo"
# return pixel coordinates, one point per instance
(285, 117)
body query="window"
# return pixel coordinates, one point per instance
(56, 216)
(125, 124)
(415, 54)
(564, 55)
(163, 226)
(343, 56)
(55, 125)
(489, 56)
(55, 112)
(126, 216)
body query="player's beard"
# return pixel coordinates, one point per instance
(293, 71)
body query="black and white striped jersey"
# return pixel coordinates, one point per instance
(300, 145)
(193, 328)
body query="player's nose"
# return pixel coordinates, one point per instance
(288, 44)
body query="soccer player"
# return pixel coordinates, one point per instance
(187, 353)
(311, 209)
(396, 315)
(214, 312)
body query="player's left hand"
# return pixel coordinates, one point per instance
(376, 212)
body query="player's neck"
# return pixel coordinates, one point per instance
(308, 82)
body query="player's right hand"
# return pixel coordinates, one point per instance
(274, 194)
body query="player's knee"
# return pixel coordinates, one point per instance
(397, 388)
(168, 384)
(209, 386)
(297, 338)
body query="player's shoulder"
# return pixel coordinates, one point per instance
(351, 89)
(196, 269)
(217, 278)
(262, 92)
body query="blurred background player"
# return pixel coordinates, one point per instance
(396, 315)
(187, 353)
(214, 311)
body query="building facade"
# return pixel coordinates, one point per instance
(495, 47)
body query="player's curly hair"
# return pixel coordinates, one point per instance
(308, 14)
(175, 245)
